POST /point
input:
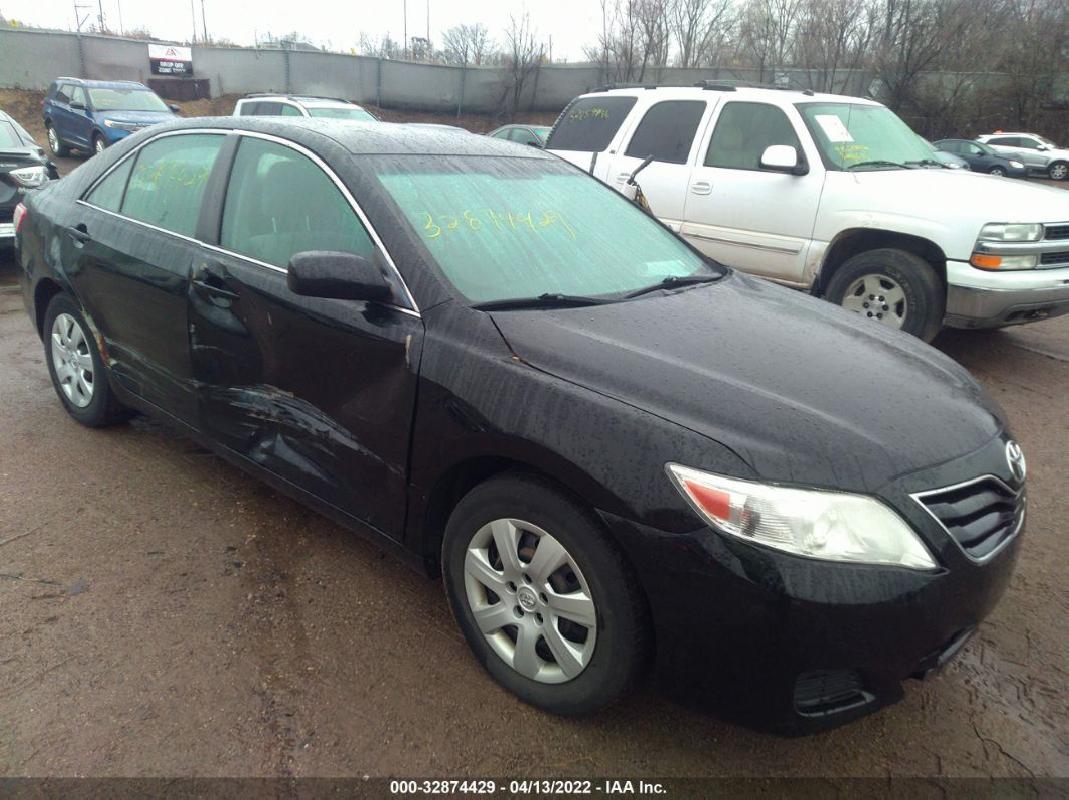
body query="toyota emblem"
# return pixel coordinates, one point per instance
(1015, 458)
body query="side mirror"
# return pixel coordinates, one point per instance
(345, 276)
(783, 158)
(77, 105)
(176, 109)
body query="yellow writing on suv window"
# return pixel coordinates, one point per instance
(487, 221)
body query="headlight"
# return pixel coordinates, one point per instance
(1012, 232)
(834, 526)
(29, 177)
(122, 126)
(1017, 165)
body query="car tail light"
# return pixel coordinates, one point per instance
(20, 215)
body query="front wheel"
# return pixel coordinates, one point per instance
(55, 144)
(99, 145)
(543, 597)
(997, 171)
(892, 287)
(1058, 171)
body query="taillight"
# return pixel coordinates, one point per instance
(20, 215)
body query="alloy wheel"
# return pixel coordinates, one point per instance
(530, 600)
(53, 139)
(877, 297)
(1058, 172)
(98, 145)
(998, 171)
(71, 360)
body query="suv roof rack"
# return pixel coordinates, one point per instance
(291, 96)
(731, 86)
(608, 87)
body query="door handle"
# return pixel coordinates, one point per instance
(210, 282)
(80, 234)
(701, 187)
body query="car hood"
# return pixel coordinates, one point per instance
(803, 391)
(926, 192)
(137, 117)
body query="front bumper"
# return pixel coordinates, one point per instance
(799, 645)
(979, 298)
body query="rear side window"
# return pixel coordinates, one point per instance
(590, 123)
(667, 131)
(744, 131)
(168, 180)
(1005, 141)
(249, 109)
(279, 202)
(108, 193)
(289, 111)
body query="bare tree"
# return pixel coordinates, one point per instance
(384, 47)
(767, 32)
(523, 55)
(696, 25)
(467, 44)
(1036, 51)
(833, 35)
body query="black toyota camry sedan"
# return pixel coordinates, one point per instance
(615, 453)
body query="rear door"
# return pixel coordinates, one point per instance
(744, 216)
(588, 127)
(667, 132)
(133, 245)
(320, 392)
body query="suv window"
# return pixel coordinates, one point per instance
(168, 180)
(289, 111)
(77, 95)
(108, 193)
(63, 93)
(1028, 143)
(590, 123)
(260, 219)
(743, 132)
(1005, 141)
(667, 131)
(266, 109)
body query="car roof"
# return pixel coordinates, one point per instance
(104, 84)
(364, 138)
(304, 99)
(764, 93)
(1009, 133)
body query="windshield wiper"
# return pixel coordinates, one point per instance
(878, 163)
(672, 281)
(546, 300)
(928, 162)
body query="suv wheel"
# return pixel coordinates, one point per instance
(545, 600)
(1058, 171)
(99, 145)
(54, 143)
(892, 287)
(76, 368)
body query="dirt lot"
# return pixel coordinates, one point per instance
(164, 614)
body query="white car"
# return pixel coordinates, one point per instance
(831, 194)
(295, 105)
(1038, 154)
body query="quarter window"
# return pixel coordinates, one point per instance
(590, 123)
(168, 180)
(744, 131)
(279, 202)
(667, 131)
(289, 111)
(108, 193)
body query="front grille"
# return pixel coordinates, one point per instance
(980, 515)
(1061, 257)
(1057, 232)
(829, 691)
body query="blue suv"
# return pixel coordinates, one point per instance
(90, 115)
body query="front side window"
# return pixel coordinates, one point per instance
(667, 131)
(290, 111)
(78, 95)
(1030, 144)
(168, 179)
(590, 123)
(503, 228)
(126, 100)
(109, 192)
(63, 94)
(854, 135)
(342, 112)
(1004, 141)
(504, 133)
(744, 131)
(279, 202)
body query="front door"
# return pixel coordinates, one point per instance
(320, 392)
(744, 216)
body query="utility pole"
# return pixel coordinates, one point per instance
(428, 24)
(204, 21)
(404, 10)
(193, 14)
(100, 13)
(118, 4)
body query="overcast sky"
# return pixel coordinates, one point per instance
(337, 24)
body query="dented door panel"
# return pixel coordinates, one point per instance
(319, 391)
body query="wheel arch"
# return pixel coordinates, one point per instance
(858, 240)
(43, 292)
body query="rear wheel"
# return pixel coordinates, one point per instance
(99, 145)
(1058, 171)
(545, 600)
(892, 287)
(54, 143)
(76, 367)
(997, 171)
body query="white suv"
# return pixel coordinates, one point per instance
(831, 194)
(1038, 154)
(292, 105)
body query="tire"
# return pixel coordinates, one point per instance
(619, 637)
(55, 144)
(1058, 171)
(99, 144)
(100, 408)
(999, 171)
(870, 282)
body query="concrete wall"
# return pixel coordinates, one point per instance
(31, 59)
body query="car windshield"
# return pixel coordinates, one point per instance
(860, 136)
(126, 100)
(504, 228)
(341, 112)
